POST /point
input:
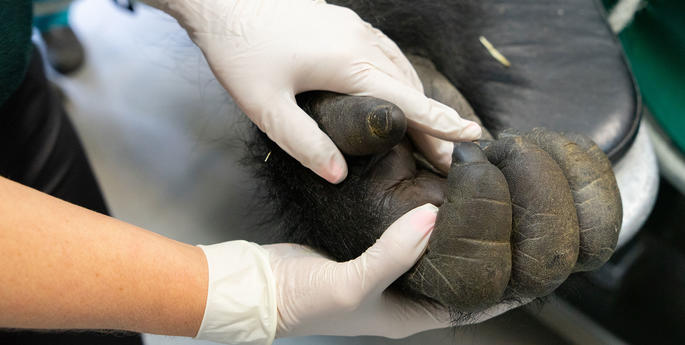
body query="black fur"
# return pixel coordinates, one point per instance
(309, 210)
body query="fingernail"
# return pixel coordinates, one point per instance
(472, 131)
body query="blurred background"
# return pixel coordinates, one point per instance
(165, 141)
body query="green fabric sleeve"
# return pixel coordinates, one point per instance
(15, 44)
(655, 45)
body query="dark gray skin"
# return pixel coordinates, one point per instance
(483, 249)
(358, 125)
(545, 236)
(588, 172)
(472, 267)
(586, 168)
(600, 219)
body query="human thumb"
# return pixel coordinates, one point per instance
(396, 251)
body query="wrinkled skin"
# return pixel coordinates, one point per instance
(517, 214)
(359, 125)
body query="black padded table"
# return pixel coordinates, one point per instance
(567, 71)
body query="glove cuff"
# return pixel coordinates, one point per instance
(241, 297)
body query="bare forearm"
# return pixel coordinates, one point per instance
(64, 266)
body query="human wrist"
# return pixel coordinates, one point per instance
(183, 301)
(241, 295)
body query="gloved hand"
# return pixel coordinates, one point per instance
(316, 295)
(266, 51)
(258, 292)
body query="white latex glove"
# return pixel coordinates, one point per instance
(256, 293)
(264, 52)
(316, 295)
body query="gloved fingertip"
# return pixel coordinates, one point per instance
(444, 158)
(399, 247)
(471, 131)
(414, 225)
(411, 232)
(423, 218)
(335, 171)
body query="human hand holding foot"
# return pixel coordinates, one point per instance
(264, 52)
